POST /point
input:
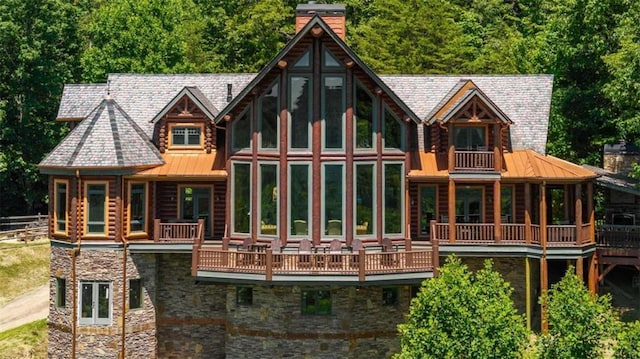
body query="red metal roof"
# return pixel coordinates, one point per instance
(189, 164)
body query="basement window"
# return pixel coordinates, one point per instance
(96, 303)
(316, 302)
(61, 291)
(390, 296)
(135, 293)
(244, 295)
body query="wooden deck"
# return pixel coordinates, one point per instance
(618, 245)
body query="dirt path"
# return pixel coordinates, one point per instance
(29, 307)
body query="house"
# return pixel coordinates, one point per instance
(296, 210)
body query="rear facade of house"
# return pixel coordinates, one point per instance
(296, 211)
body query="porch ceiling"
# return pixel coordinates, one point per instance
(189, 165)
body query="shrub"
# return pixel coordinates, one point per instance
(628, 343)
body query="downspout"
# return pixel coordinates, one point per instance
(125, 244)
(75, 253)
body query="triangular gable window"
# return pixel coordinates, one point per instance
(328, 60)
(304, 62)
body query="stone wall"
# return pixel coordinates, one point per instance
(102, 341)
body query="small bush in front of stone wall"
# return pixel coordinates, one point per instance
(461, 315)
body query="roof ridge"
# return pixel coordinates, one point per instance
(99, 109)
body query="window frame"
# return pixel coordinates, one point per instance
(86, 213)
(56, 201)
(323, 107)
(394, 294)
(234, 124)
(261, 119)
(246, 298)
(186, 126)
(290, 148)
(323, 193)
(145, 222)
(427, 233)
(402, 198)
(290, 194)
(277, 196)
(383, 130)
(374, 122)
(374, 209)
(140, 302)
(94, 319)
(459, 126)
(316, 295)
(483, 202)
(233, 199)
(61, 292)
(512, 189)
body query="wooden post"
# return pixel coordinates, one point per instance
(544, 284)
(497, 220)
(593, 274)
(543, 218)
(195, 259)
(527, 212)
(452, 151)
(435, 252)
(269, 265)
(591, 212)
(452, 211)
(527, 281)
(497, 148)
(580, 268)
(156, 230)
(361, 265)
(578, 204)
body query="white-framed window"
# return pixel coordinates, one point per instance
(300, 112)
(393, 198)
(364, 118)
(242, 132)
(333, 110)
(365, 207)
(270, 118)
(392, 131)
(241, 201)
(137, 207)
(96, 302)
(333, 189)
(300, 194)
(96, 204)
(60, 200)
(269, 203)
(186, 135)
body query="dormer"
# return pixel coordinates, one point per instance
(185, 124)
(470, 129)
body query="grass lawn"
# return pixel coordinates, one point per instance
(23, 267)
(27, 341)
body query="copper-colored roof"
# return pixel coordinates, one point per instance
(520, 165)
(188, 164)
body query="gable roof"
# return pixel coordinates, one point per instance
(316, 20)
(615, 181)
(457, 98)
(107, 139)
(195, 95)
(79, 99)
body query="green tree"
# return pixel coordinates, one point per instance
(40, 49)
(580, 323)
(460, 314)
(628, 344)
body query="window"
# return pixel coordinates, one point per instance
(393, 195)
(300, 115)
(333, 195)
(390, 296)
(269, 105)
(241, 197)
(137, 207)
(96, 208)
(469, 137)
(469, 205)
(61, 292)
(427, 208)
(268, 199)
(135, 293)
(330, 61)
(304, 62)
(365, 203)
(333, 109)
(299, 185)
(316, 302)
(244, 295)
(95, 302)
(364, 118)
(392, 131)
(241, 132)
(60, 204)
(506, 204)
(188, 136)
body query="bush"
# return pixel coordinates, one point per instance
(462, 315)
(580, 323)
(628, 344)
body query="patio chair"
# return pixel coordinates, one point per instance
(304, 254)
(335, 251)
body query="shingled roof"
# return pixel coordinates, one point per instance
(107, 139)
(79, 99)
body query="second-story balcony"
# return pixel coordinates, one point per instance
(176, 232)
(474, 161)
(512, 234)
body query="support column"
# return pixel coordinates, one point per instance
(527, 212)
(580, 268)
(497, 147)
(544, 286)
(451, 152)
(578, 211)
(284, 225)
(527, 281)
(497, 208)
(543, 218)
(593, 273)
(591, 213)
(452, 211)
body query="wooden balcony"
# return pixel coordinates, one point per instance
(618, 244)
(512, 233)
(474, 161)
(358, 265)
(191, 232)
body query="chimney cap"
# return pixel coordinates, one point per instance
(322, 9)
(622, 148)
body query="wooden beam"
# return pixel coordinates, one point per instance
(544, 286)
(578, 212)
(497, 219)
(527, 281)
(593, 274)
(606, 271)
(580, 268)
(452, 211)
(527, 212)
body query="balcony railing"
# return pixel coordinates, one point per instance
(178, 232)
(475, 161)
(359, 264)
(617, 236)
(513, 233)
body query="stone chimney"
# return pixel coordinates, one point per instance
(617, 158)
(333, 14)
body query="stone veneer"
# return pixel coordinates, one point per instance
(181, 318)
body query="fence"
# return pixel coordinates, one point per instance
(23, 227)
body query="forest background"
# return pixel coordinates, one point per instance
(592, 47)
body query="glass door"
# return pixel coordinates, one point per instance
(195, 203)
(469, 205)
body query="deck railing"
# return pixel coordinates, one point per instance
(361, 264)
(482, 161)
(512, 233)
(618, 236)
(178, 232)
